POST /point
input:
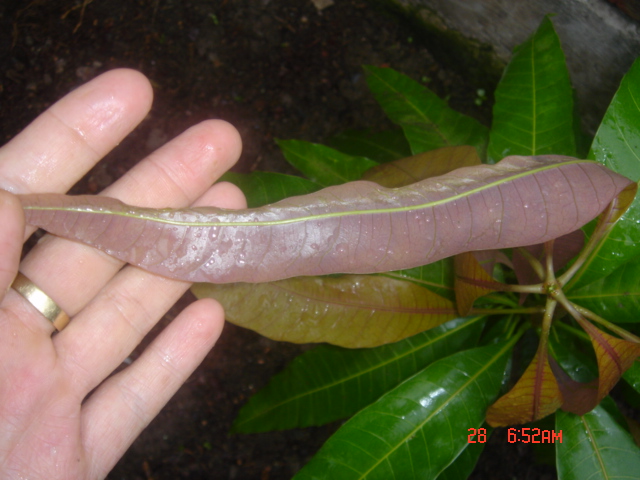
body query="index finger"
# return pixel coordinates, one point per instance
(63, 143)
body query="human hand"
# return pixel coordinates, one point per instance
(48, 429)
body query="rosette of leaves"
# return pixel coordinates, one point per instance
(532, 334)
(482, 328)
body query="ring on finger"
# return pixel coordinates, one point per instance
(41, 301)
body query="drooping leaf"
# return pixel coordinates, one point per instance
(329, 383)
(577, 397)
(351, 310)
(353, 228)
(471, 282)
(426, 119)
(617, 146)
(614, 355)
(263, 188)
(384, 146)
(594, 446)
(421, 166)
(324, 165)
(395, 437)
(534, 396)
(533, 111)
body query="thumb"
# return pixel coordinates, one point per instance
(11, 237)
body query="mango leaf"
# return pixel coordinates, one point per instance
(324, 165)
(437, 277)
(262, 188)
(351, 310)
(463, 466)
(471, 282)
(632, 376)
(534, 396)
(441, 402)
(384, 146)
(357, 227)
(614, 355)
(617, 146)
(329, 383)
(615, 296)
(533, 111)
(594, 446)
(427, 120)
(421, 166)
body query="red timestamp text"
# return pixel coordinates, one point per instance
(533, 435)
(514, 435)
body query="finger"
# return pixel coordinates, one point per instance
(10, 239)
(124, 405)
(72, 273)
(63, 143)
(115, 322)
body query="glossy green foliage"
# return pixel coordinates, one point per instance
(617, 145)
(615, 296)
(324, 165)
(533, 113)
(427, 121)
(595, 446)
(329, 383)
(420, 427)
(384, 146)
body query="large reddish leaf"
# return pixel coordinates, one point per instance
(349, 310)
(358, 227)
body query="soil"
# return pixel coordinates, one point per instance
(275, 69)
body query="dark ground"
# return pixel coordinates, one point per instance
(275, 69)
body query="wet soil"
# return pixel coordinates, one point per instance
(275, 69)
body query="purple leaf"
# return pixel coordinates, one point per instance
(358, 227)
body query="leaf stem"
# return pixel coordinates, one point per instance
(611, 326)
(533, 261)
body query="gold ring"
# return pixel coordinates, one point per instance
(41, 301)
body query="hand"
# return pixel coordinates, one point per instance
(48, 427)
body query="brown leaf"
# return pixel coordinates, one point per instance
(422, 166)
(534, 396)
(471, 282)
(351, 310)
(615, 356)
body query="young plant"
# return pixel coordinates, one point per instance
(481, 300)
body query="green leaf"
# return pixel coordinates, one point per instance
(324, 165)
(349, 310)
(463, 466)
(533, 112)
(419, 428)
(594, 446)
(615, 296)
(329, 383)
(617, 146)
(427, 120)
(263, 188)
(437, 277)
(632, 376)
(384, 146)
